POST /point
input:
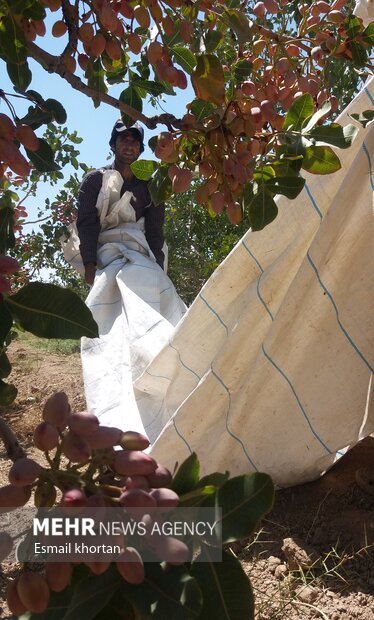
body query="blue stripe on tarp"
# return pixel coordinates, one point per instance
(214, 312)
(312, 200)
(157, 376)
(369, 162)
(367, 91)
(297, 399)
(106, 303)
(262, 300)
(258, 281)
(337, 315)
(227, 419)
(252, 256)
(181, 436)
(182, 362)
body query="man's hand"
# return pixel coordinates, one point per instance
(89, 273)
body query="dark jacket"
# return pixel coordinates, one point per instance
(88, 222)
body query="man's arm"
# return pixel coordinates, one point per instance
(88, 222)
(154, 233)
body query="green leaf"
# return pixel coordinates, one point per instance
(216, 479)
(50, 311)
(7, 239)
(6, 322)
(43, 158)
(288, 186)
(239, 23)
(184, 57)
(58, 111)
(242, 69)
(130, 97)
(160, 185)
(300, 111)
(359, 54)
(95, 75)
(199, 496)
(37, 116)
(187, 475)
(8, 393)
(320, 160)
(12, 41)
(92, 594)
(168, 592)
(323, 110)
(226, 589)
(208, 79)
(244, 500)
(212, 40)
(368, 34)
(287, 167)
(201, 109)
(352, 25)
(152, 87)
(19, 74)
(261, 210)
(144, 168)
(57, 605)
(363, 117)
(263, 173)
(335, 134)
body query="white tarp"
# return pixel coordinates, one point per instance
(270, 368)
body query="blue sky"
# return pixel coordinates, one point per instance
(92, 124)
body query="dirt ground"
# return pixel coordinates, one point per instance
(313, 556)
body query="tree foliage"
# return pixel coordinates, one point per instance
(268, 79)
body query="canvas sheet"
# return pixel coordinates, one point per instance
(271, 367)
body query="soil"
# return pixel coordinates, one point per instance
(313, 555)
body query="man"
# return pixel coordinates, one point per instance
(132, 300)
(126, 144)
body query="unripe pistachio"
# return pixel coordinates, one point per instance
(24, 471)
(74, 498)
(142, 16)
(104, 437)
(76, 448)
(134, 42)
(130, 566)
(137, 498)
(56, 410)
(33, 592)
(8, 264)
(259, 10)
(132, 440)
(26, 135)
(171, 550)
(83, 423)
(161, 477)
(13, 497)
(13, 600)
(133, 462)
(58, 575)
(59, 28)
(165, 498)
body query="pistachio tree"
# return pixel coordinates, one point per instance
(263, 113)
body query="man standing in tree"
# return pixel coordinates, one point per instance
(133, 302)
(126, 144)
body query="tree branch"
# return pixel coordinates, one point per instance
(12, 446)
(55, 64)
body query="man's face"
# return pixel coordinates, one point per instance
(126, 148)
